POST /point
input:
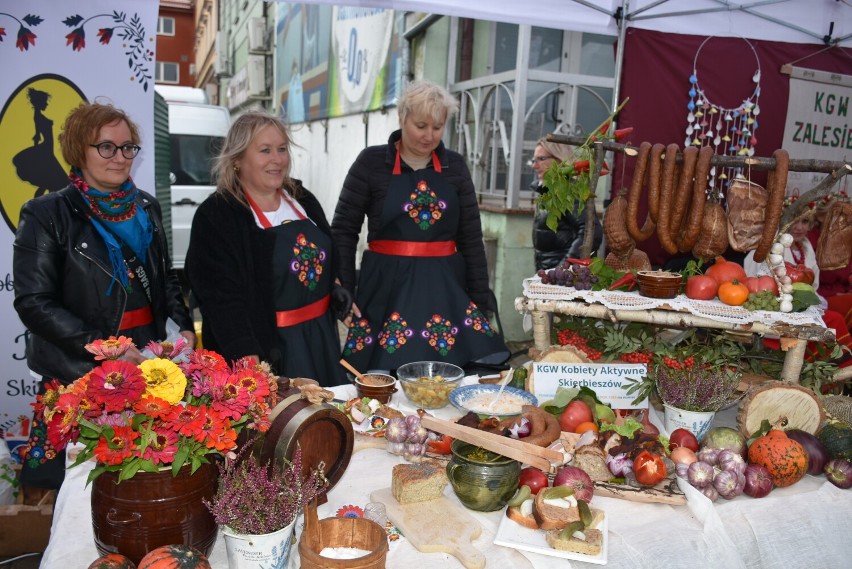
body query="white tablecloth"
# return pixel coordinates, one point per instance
(805, 526)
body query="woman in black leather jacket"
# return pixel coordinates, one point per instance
(91, 261)
(551, 247)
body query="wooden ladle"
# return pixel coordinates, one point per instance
(354, 371)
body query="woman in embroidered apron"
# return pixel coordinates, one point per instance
(91, 261)
(260, 260)
(423, 286)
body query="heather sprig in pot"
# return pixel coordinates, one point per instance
(255, 498)
(698, 388)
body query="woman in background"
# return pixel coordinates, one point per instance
(261, 261)
(423, 286)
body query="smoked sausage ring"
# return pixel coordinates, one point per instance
(692, 227)
(635, 196)
(776, 185)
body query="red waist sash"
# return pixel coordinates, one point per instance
(413, 248)
(134, 318)
(313, 310)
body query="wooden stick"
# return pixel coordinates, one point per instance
(542, 458)
(354, 371)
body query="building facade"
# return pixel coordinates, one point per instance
(176, 64)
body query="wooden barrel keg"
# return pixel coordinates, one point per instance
(324, 433)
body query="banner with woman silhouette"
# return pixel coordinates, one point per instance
(55, 55)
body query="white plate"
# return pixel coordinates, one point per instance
(511, 534)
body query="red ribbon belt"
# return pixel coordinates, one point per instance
(413, 248)
(134, 318)
(313, 310)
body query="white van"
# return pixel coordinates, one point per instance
(196, 132)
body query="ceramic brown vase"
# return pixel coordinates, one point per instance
(153, 509)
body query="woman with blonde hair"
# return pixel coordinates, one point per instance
(423, 287)
(261, 261)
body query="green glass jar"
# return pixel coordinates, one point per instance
(483, 480)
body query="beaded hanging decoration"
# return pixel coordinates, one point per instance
(730, 131)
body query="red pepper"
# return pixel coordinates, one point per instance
(585, 262)
(623, 133)
(441, 446)
(601, 131)
(581, 166)
(649, 468)
(628, 280)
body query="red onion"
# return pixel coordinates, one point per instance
(758, 482)
(817, 455)
(521, 430)
(700, 474)
(577, 479)
(725, 484)
(839, 472)
(730, 460)
(619, 463)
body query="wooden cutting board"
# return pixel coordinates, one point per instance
(435, 526)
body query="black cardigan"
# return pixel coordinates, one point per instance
(364, 191)
(229, 267)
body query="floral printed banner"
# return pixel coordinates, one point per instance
(55, 55)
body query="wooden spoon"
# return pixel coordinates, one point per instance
(354, 371)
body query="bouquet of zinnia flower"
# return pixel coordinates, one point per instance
(172, 410)
(256, 497)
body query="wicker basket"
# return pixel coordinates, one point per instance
(358, 533)
(839, 406)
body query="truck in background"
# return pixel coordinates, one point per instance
(196, 132)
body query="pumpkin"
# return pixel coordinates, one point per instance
(836, 437)
(723, 271)
(174, 557)
(784, 458)
(112, 561)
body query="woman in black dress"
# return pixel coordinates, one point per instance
(423, 287)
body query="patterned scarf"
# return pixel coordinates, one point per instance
(117, 219)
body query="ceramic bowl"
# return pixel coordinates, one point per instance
(428, 384)
(476, 398)
(378, 386)
(483, 481)
(659, 284)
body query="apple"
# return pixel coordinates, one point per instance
(534, 478)
(683, 438)
(575, 412)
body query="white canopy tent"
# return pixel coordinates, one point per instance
(827, 22)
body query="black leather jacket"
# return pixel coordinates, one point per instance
(62, 272)
(551, 247)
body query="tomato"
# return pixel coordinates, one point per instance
(534, 478)
(441, 446)
(733, 293)
(757, 284)
(586, 426)
(575, 412)
(701, 287)
(800, 273)
(683, 438)
(649, 468)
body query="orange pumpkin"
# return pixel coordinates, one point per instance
(174, 557)
(733, 293)
(112, 561)
(784, 458)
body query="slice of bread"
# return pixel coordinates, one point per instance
(591, 545)
(592, 459)
(523, 514)
(551, 514)
(418, 482)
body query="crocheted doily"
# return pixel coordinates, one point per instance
(714, 309)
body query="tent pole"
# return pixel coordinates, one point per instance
(619, 54)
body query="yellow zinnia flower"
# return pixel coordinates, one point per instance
(164, 379)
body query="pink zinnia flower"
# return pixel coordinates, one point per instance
(110, 349)
(163, 447)
(168, 350)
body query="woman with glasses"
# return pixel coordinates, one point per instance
(551, 247)
(91, 261)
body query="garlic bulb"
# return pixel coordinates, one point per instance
(775, 259)
(786, 239)
(777, 249)
(786, 306)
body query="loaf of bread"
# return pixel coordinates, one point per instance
(418, 482)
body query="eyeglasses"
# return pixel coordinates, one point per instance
(108, 149)
(542, 158)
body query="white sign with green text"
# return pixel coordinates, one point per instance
(608, 381)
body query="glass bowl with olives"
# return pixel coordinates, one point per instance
(428, 384)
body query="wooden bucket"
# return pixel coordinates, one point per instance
(324, 433)
(358, 533)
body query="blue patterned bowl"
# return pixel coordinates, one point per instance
(477, 397)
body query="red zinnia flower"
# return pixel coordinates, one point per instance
(116, 384)
(230, 398)
(204, 360)
(186, 420)
(153, 407)
(163, 448)
(113, 450)
(216, 433)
